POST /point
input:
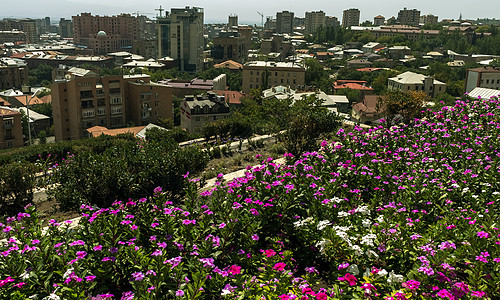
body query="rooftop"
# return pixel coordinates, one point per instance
(412, 78)
(270, 64)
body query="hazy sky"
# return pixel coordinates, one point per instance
(218, 10)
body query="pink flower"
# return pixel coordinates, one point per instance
(270, 253)
(234, 269)
(478, 294)
(279, 266)
(483, 234)
(351, 279)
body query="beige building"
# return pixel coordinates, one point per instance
(284, 22)
(104, 34)
(277, 73)
(81, 99)
(13, 73)
(180, 37)
(196, 111)
(428, 19)
(232, 45)
(409, 17)
(485, 77)
(350, 17)
(11, 130)
(314, 20)
(378, 20)
(410, 81)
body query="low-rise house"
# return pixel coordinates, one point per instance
(11, 130)
(233, 98)
(368, 110)
(230, 65)
(483, 93)
(485, 77)
(370, 47)
(410, 81)
(196, 111)
(359, 85)
(359, 63)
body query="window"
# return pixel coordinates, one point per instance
(116, 110)
(101, 111)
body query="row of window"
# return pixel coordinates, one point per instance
(276, 74)
(488, 81)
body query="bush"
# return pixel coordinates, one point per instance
(17, 181)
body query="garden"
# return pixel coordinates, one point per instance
(407, 212)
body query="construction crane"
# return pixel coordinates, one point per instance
(261, 19)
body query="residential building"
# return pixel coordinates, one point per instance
(103, 34)
(484, 77)
(483, 93)
(378, 20)
(314, 20)
(410, 81)
(12, 36)
(181, 88)
(13, 73)
(232, 45)
(358, 85)
(409, 17)
(372, 47)
(233, 98)
(82, 99)
(277, 44)
(27, 26)
(11, 130)
(180, 37)
(359, 63)
(428, 19)
(230, 65)
(284, 22)
(233, 21)
(331, 21)
(261, 74)
(196, 111)
(368, 110)
(350, 17)
(54, 59)
(65, 28)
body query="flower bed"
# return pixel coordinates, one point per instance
(409, 212)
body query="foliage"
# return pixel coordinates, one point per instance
(42, 137)
(16, 187)
(403, 106)
(354, 96)
(43, 108)
(131, 170)
(316, 75)
(383, 213)
(40, 76)
(306, 121)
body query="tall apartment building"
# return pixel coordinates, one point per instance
(65, 28)
(350, 17)
(284, 22)
(28, 26)
(232, 45)
(262, 74)
(409, 17)
(11, 130)
(13, 73)
(314, 20)
(485, 77)
(428, 19)
(104, 34)
(331, 21)
(82, 99)
(180, 36)
(378, 20)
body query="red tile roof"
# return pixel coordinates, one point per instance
(368, 69)
(231, 97)
(229, 64)
(353, 86)
(99, 130)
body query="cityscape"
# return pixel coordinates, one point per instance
(159, 154)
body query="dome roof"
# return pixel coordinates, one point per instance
(101, 33)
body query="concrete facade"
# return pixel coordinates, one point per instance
(410, 81)
(287, 74)
(314, 20)
(350, 17)
(11, 130)
(196, 111)
(409, 17)
(81, 99)
(284, 22)
(485, 77)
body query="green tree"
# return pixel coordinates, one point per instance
(16, 186)
(307, 120)
(403, 106)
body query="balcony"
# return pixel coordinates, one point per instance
(88, 113)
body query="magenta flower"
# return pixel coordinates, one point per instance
(483, 234)
(179, 293)
(351, 279)
(279, 266)
(234, 269)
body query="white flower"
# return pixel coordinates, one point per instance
(394, 278)
(323, 224)
(68, 272)
(353, 269)
(25, 275)
(336, 199)
(380, 219)
(366, 223)
(321, 244)
(52, 296)
(342, 214)
(368, 239)
(363, 209)
(382, 272)
(367, 273)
